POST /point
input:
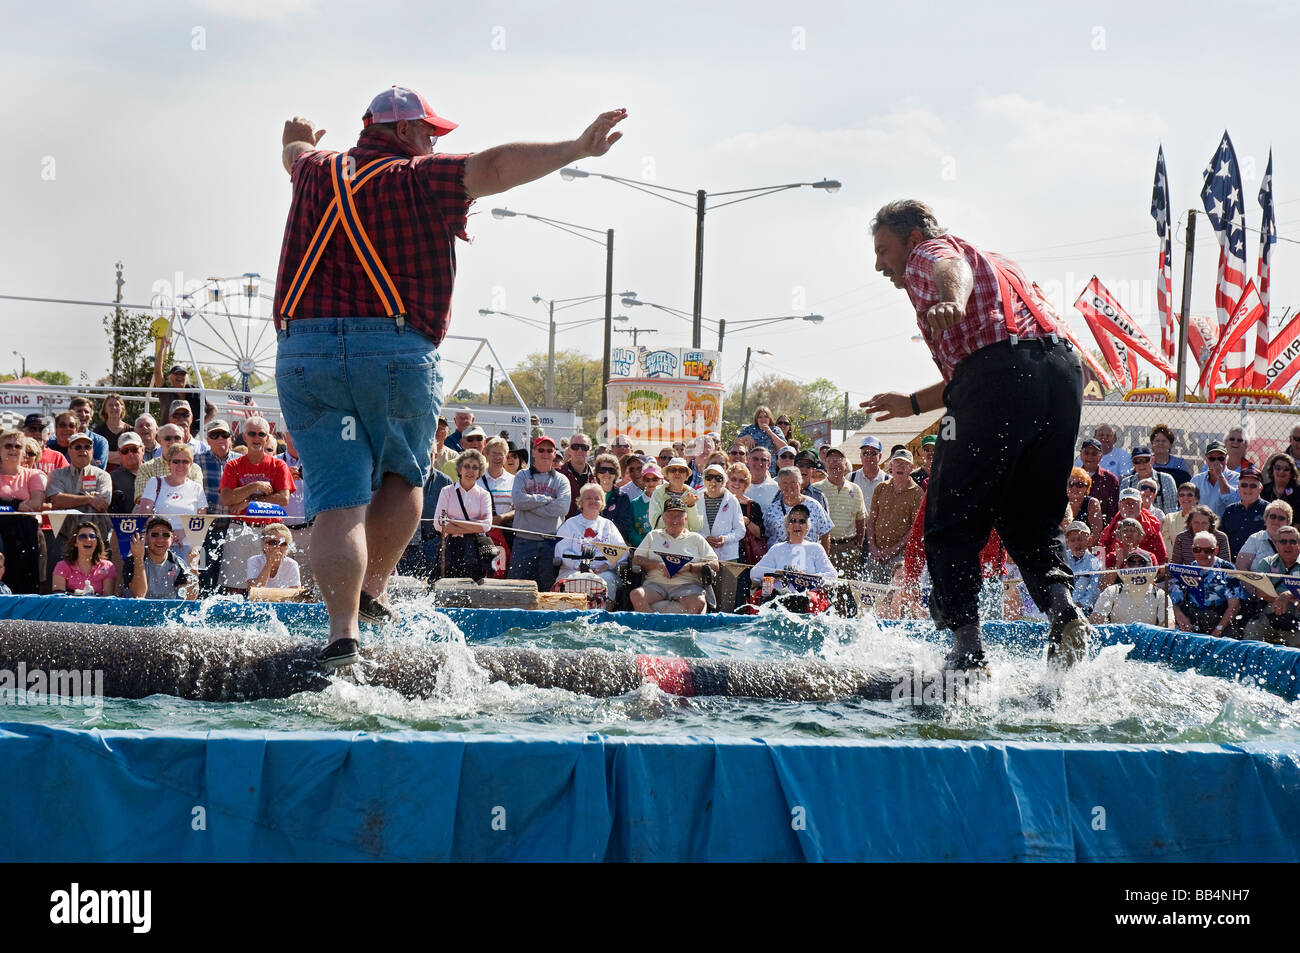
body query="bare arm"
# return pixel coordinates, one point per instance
(891, 405)
(503, 167)
(300, 135)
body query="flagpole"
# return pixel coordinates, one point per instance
(1181, 395)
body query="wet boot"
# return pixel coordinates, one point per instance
(1067, 642)
(967, 653)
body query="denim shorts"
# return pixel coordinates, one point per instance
(361, 398)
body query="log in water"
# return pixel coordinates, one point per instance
(235, 665)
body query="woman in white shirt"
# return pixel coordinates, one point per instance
(588, 527)
(464, 511)
(174, 494)
(796, 552)
(724, 523)
(272, 568)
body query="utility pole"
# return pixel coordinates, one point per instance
(1181, 394)
(846, 415)
(550, 361)
(722, 330)
(492, 370)
(697, 321)
(634, 332)
(117, 322)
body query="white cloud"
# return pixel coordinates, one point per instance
(264, 10)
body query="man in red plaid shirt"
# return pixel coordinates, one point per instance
(1013, 390)
(363, 298)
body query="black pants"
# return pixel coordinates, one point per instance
(1003, 459)
(20, 542)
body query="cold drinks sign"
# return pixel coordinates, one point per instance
(660, 395)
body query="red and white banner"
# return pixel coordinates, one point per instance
(1100, 309)
(1244, 315)
(1283, 356)
(1089, 361)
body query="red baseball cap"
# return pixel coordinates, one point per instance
(541, 440)
(401, 103)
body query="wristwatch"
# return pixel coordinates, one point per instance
(916, 406)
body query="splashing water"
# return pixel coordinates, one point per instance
(1107, 699)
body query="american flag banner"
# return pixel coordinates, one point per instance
(1164, 266)
(1244, 315)
(1226, 211)
(1267, 239)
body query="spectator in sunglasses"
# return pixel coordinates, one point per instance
(1175, 521)
(576, 469)
(1280, 479)
(1165, 496)
(154, 571)
(617, 506)
(1206, 602)
(1217, 483)
(1263, 544)
(1081, 505)
(1244, 517)
(1277, 620)
(1200, 519)
(1127, 602)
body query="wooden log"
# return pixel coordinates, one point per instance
(268, 594)
(492, 594)
(560, 600)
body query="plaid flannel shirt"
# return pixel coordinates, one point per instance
(413, 213)
(985, 322)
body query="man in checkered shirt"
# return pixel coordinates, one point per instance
(1013, 390)
(363, 298)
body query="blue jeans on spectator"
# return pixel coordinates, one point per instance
(533, 559)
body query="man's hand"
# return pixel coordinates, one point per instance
(300, 129)
(98, 504)
(597, 139)
(945, 315)
(888, 406)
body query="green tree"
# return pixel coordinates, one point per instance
(131, 346)
(58, 378)
(577, 383)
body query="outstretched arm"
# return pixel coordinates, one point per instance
(503, 167)
(300, 135)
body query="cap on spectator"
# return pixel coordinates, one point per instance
(180, 405)
(442, 421)
(808, 457)
(871, 442)
(1078, 526)
(622, 441)
(1090, 442)
(398, 102)
(677, 463)
(834, 449)
(1131, 493)
(1215, 446)
(1248, 471)
(129, 439)
(714, 468)
(787, 451)
(929, 440)
(475, 431)
(178, 369)
(674, 503)
(218, 426)
(1140, 452)
(543, 439)
(651, 469)
(35, 422)
(1137, 554)
(903, 454)
(77, 437)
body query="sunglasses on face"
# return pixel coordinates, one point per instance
(274, 541)
(1147, 489)
(713, 478)
(613, 470)
(1205, 549)
(1250, 486)
(181, 460)
(579, 446)
(129, 450)
(255, 433)
(15, 446)
(1076, 485)
(544, 450)
(1280, 517)
(160, 534)
(1217, 459)
(1235, 439)
(1281, 466)
(84, 537)
(737, 453)
(1288, 542)
(1135, 562)
(797, 522)
(32, 453)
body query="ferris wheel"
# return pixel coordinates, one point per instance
(222, 326)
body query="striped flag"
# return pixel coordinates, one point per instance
(1283, 356)
(1164, 266)
(1226, 211)
(1244, 315)
(1102, 310)
(1267, 239)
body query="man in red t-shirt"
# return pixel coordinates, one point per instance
(256, 475)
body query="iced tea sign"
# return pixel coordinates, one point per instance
(664, 394)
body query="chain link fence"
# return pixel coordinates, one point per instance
(1266, 428)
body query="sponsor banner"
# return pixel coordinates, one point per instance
(801, 580)
(1138, 577)
(673, 562)
(1244, 317)
(1149, 395)
(24, 402)
(1283, 356)
(664, 363)
(661, 413)
(611, 551)
(1098, 305)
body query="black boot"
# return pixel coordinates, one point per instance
(1067, 638)
(967, 650)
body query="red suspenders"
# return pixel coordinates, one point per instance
(1008, 280)
(342, 208)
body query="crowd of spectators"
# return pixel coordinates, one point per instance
(684, 527)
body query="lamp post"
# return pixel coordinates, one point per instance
(701, 206)
(744, 381)
(551, 329)
(631, 301)
(500, 213)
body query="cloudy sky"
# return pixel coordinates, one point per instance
(150, 133)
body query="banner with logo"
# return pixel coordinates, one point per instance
(1100, 309)
(673, 562)
(662, 395)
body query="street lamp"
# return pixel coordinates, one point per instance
(632, 302)
(551, 328)
(744, 383)
(500, 213)
(701, 205)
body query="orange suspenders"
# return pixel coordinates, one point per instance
(342, 208)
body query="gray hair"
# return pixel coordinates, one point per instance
(1206, 537)
(148, 417)
(903, 215)
(1129, 523)
(791, 472)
